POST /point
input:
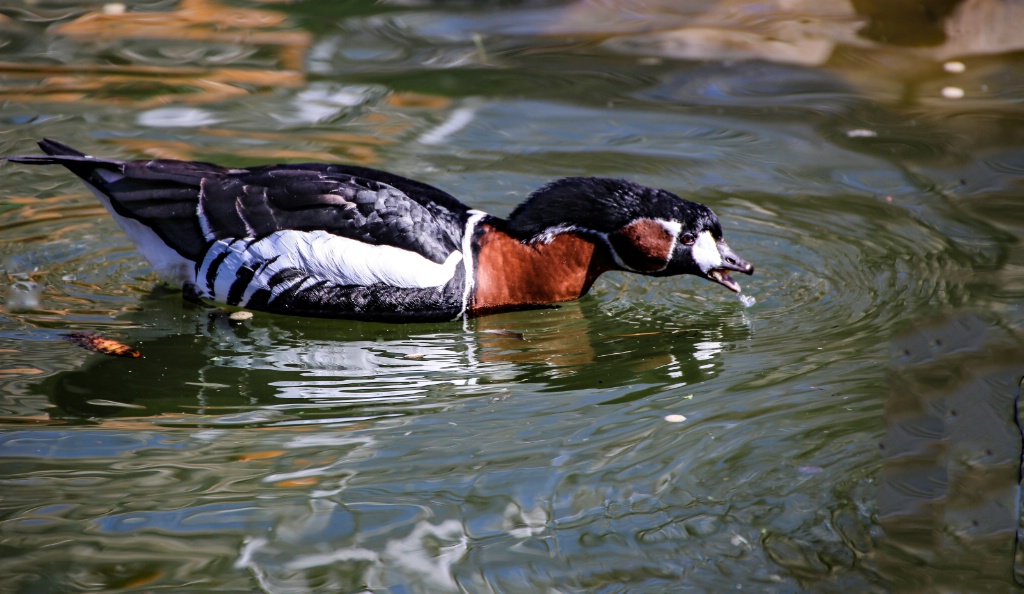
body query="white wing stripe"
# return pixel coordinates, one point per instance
(322, 256)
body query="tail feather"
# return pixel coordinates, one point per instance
(155, 202)
(78, 162)
(52, 147)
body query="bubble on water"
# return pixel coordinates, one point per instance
(24, 296)
(746, 300)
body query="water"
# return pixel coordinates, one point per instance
(852, 430)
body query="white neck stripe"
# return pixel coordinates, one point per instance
(467, 258)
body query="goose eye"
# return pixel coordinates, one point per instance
(688, 239)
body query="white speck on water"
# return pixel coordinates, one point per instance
(103, 402)
(952, 92)
(954, 66)
(177, 117)
(457, 120)
(746, 300)
(675, 418)
(212, 385)
(861, 133)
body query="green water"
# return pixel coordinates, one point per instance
(854, 430)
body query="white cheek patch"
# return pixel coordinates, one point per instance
(705, 252)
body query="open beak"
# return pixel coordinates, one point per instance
(730, 261)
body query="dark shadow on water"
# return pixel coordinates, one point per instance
(949, 496)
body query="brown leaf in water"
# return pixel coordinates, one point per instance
(260, 455)
(16, 371)
(94, 342)
(298, 482)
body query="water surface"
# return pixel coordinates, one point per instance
(854, 430)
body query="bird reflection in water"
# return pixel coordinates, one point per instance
(202, 368)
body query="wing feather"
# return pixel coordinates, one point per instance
(189, 205)
(218, 209)
(362, 209)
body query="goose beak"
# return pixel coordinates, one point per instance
(730, 262)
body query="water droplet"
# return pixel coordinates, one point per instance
(746, 300)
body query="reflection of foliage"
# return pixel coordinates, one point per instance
(139, 86)
(202, 21)
(808, 31)
(195, 22)
(202, 53)
(6, 206)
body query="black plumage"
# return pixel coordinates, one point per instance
(360, 203)
(604, 205)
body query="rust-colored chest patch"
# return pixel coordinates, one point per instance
(510, 273)
(644, 245)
